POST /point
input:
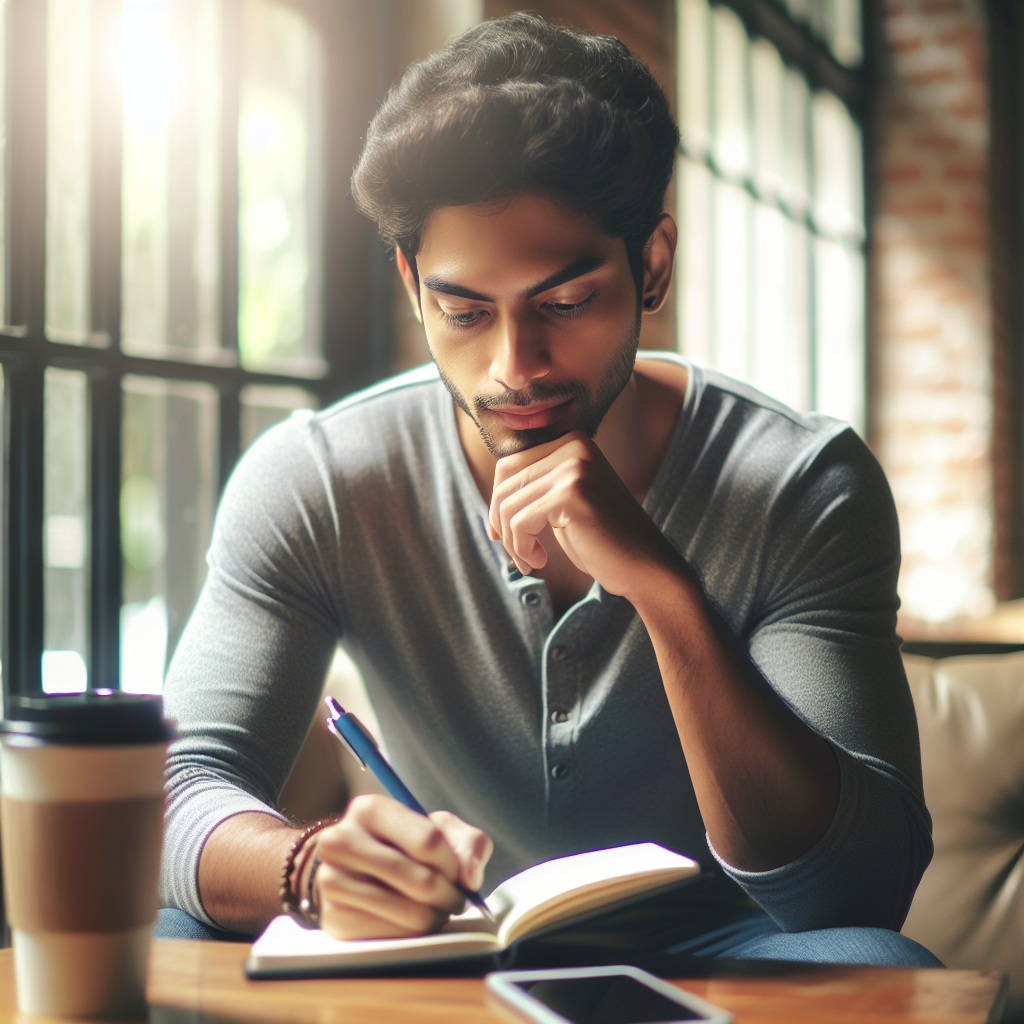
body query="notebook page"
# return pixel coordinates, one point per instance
(560, 888)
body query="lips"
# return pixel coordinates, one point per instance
(533, 416)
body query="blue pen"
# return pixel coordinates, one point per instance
(363, 747)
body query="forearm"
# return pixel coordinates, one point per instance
(240, 871)
(767, 784)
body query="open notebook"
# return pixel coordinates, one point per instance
(547, 894)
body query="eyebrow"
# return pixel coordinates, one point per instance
(584, 265)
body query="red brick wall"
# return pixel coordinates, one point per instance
(932, 337)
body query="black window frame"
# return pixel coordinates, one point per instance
(804, 50)
(360, 55)
(1005, 30)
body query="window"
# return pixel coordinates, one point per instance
(770, 198)
(163, 196)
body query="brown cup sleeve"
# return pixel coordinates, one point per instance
(89, 866)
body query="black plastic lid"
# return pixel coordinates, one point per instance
(93, 718)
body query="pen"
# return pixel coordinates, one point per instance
(362, 746)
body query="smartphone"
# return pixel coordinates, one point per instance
(598, 995)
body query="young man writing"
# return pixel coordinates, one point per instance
(596, 599)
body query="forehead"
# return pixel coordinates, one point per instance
(532, 231)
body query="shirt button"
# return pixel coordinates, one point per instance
(532, 599)
(559, 770)
(558, 653)
(559, 716)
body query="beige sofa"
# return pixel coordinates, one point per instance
(969, 908)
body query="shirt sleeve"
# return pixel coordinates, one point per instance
(248, 671)
(823, 635)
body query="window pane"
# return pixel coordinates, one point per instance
(694, 278)
(279, 191)
(769, 369)
(263, 406)
(799, 8)
(66, 531)
(780, 315)
(693, 75)
(68, 314)
(168, 490)
(819, 17)
(846, 34)
(839, 329)
(798, 316)
(170, 185)
(767, 86)
(732, 146)
(838, 195)
(730, 276)
(795, 191)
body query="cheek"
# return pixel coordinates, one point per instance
(599, 336)
(458, 363)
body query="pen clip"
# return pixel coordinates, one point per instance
(336, 711)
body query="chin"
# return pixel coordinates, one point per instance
(515, 441)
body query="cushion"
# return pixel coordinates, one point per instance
(969, 908)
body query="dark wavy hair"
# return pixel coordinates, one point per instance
(519, 105)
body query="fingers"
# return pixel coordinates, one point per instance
(386, 871)
(517, 471)
(471, 846)
(356, 906)
(510, 465)
(548, 493)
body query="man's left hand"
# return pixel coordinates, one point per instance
(568, 484)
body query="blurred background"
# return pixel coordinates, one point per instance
(181, 266)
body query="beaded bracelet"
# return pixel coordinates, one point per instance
(308, 906)
(300, 909)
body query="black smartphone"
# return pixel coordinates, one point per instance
(598, 995)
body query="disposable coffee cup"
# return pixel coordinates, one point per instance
(81, 821)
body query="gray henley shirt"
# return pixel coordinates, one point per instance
(362, 523)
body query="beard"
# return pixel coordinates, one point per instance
(590, 408)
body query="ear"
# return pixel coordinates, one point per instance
(658, 256)
(410, 282)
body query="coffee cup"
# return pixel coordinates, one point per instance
(81, 824)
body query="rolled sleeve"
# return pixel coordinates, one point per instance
(864, 869)
(196, 804)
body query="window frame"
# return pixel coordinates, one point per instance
(802, 50)
(353, 258)
(1005, 31)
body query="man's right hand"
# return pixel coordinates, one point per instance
(389, 872)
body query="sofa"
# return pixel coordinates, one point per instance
(969, 907)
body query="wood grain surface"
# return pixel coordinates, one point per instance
(203, 983)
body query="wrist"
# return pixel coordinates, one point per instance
(298, 873)
(666, 586)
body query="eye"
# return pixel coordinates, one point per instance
(569, 309)
(462, 320)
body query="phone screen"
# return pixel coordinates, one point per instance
(612, 999)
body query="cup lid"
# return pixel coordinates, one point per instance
(96, 717)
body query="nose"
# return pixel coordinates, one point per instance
(521, 355)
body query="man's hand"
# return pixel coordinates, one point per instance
(567, 484)
(388, 872)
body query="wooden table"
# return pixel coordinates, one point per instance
(205, 980)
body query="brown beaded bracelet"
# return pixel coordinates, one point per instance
(291, 903)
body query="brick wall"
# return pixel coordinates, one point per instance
(932, 338)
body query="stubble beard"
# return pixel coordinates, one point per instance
(591, 409)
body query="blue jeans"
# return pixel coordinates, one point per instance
(754, 936)
(757, 937)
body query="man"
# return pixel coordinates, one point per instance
(596, 599)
